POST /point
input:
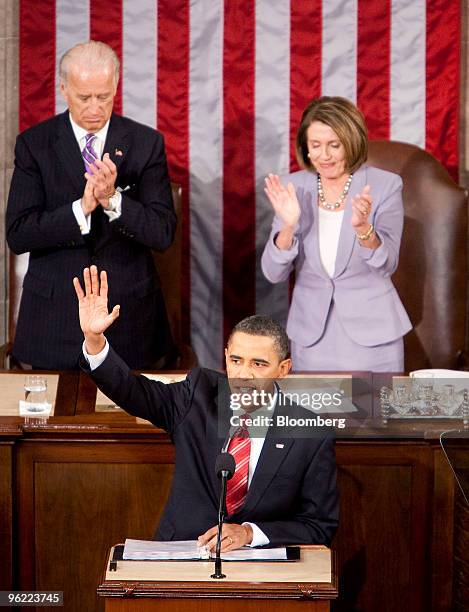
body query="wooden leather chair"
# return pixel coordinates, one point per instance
(169, 269)
(432, 275)
(169, 266)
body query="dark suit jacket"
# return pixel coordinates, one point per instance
(48, 177)
(292, 496)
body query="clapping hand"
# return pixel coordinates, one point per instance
(361, 208)
(93, 308)
(88, 201)
(283, 199)
(103, 179)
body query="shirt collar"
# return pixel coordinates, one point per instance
(80, 132)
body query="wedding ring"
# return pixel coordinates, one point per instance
(230, 539)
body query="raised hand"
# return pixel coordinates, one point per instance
(361, 208)
(283, 200)
(93, 308)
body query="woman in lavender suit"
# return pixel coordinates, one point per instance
(338, 223)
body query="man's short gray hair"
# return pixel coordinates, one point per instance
(261, 325)
(92, 54)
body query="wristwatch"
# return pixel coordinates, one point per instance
(115, 202)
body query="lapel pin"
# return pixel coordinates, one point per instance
(279, 445)
(118, 153)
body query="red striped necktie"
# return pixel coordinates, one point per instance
(240, 448)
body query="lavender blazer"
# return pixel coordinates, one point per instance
(366, 301)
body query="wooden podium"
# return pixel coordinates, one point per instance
(308, 584)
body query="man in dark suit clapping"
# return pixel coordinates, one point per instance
(90, 187)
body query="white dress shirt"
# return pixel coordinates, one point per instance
(258, 536)
(84, 221)
(330, 224)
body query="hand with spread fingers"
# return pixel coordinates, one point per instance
(233, 536)
(93, 308)
(283, 200)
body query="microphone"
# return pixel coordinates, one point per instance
(225, 466)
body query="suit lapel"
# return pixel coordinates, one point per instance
(216, 433)
(274, 451)
(68, 151)
(347, 235)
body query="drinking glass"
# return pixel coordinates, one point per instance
(35, 393)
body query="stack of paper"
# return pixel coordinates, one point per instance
(139, 550)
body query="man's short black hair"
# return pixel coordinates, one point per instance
(261, 325)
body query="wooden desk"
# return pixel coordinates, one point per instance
(79, 486)
(62, 391)
(308, 585)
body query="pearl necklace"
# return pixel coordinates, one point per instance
(342, 196)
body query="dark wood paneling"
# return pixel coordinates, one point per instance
(385, 491)
(461, 547)
(67, 393)
(375, 516)
(442, 533)
(82, 487)
(6, 516)
(78, 500)
(458, 452)
(87, 391)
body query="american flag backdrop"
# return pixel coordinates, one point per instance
(226, 81)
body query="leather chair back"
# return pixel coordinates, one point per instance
(169, 266)
(432, 275)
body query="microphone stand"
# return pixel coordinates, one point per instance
(221, 517)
